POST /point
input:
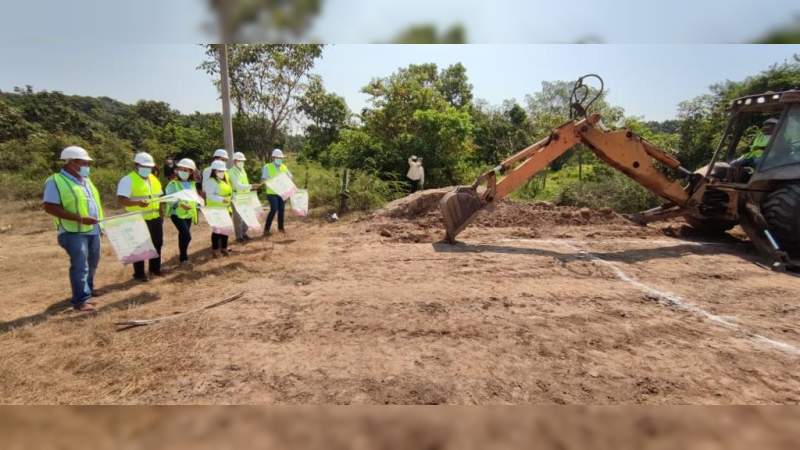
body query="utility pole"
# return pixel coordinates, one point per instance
(227, 124)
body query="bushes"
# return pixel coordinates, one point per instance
(615, 191)
(367, 191)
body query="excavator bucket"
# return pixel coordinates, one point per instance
(459, 208)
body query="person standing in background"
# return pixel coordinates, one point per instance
(139, 191)
(416, 173)
(169, 169)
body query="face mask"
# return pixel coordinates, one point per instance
(221, 175)
(183, 175)
(278, 162)
(240, 164)
(83, 171)
(144, 171)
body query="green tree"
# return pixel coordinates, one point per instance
(267, 81)
(429, 34)
(327, 113)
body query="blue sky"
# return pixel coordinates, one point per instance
(366, 21)
(646, 80)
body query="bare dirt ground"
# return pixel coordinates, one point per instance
(395, 428)
(537, 304)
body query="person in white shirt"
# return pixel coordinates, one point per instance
(241, 185)
(416, 173)
(139, 191)
(220, 154)
(218, 194)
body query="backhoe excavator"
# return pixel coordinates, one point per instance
(763, 198)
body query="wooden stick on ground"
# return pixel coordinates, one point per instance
(141, 322)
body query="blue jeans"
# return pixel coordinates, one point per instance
(276, 205)
(84, 254)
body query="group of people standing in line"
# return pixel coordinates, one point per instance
(75, 204)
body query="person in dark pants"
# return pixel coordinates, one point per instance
(139, 191)
(276, 206)
(276, 203)
(219, 193)
(183, 213)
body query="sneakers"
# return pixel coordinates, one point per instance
(225, 252)
(143, 278)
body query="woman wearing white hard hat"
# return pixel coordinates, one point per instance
(74, 202)
(139, 191)
(218, 193)
(183, 213)
(241, 185)
(276, 203)
(220, 154)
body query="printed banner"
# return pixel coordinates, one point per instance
(300, 202)
(249, 208)
(219, 219)
(185, 195)
(282, 185)
(129, 238)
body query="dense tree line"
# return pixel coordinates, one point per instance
(421, 109)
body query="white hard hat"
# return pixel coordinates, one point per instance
(219, 165)
(144, 159)
(75, 152)
(221, 153)
(277, 153)
(239, 156)
(187, 163)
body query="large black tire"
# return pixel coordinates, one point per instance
(781, 209)
(710, 227)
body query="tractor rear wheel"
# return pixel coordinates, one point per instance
(711, 227)
(781, 209)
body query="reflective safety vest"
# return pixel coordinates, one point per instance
(757, 147)
(73, 200)
(141, 189)
(273, 172)
(174, 208)
(224, 190)
(239, 176)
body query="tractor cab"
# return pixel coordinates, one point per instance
(761, 143)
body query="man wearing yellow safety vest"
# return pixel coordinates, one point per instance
(73, 201)
(753, 157)
(240, 183)
(276, 202)
(139, 191)
(183, 213)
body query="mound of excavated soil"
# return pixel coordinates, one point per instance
(416, 218)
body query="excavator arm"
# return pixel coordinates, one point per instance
(623, 150)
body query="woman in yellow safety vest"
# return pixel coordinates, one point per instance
(183, 213)
(218, 193)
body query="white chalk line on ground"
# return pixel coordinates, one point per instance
(667, 298)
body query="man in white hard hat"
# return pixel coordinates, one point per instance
(139, 191)
(241, 184)
(74, 202)
(276, 202)
(220, 154)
